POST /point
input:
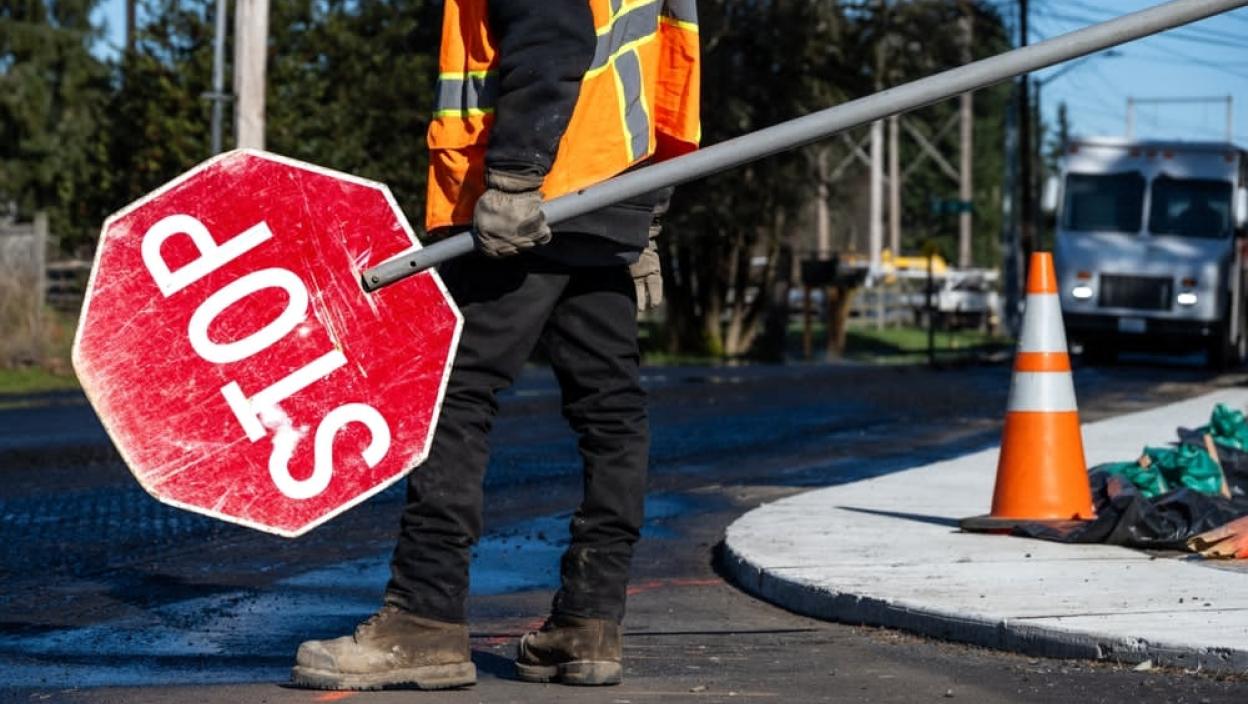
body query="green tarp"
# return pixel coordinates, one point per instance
(1186, 465)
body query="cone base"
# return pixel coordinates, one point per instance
(993, 524)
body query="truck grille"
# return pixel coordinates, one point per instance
(1139, 292)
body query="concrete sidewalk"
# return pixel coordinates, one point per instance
(887, 551)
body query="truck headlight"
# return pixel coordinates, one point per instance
(1186, 298)
(1082, 292)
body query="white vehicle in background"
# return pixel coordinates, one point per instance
(1150, 247)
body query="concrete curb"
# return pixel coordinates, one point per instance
(838, 554)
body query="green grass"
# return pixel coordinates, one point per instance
(910, 343)
(34, 380)
(863, 343)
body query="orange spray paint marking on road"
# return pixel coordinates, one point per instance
(333, 696)
(653, 584)
(504, 638)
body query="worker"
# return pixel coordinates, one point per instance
(535, 100)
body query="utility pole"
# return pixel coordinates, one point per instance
(218, 95)
(823, 224)
(130, 22)
(966, 191)
(876, 209)
(1024, 144)
(1040, 171)
(894, 185)
(1011, 264)
(875, 228)
(251, 31)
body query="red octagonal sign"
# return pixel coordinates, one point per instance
(235, 360)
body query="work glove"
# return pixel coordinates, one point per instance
(508, 218)
(1229, 541)
(648, 278)
(647, 275)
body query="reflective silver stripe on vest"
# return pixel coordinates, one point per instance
(628, 68)
(681, 10)
(474, 92)
(638, 23)
(615, 7)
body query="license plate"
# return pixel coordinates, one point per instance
(1135, 326)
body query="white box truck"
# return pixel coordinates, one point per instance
(1151, 248)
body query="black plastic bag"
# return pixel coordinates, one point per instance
(1125, 517)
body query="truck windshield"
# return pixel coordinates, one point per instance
(1190, 207)
(1101, 202)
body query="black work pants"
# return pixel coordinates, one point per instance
(585, 318)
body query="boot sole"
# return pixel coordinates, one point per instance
(588, 673)
(427, 677)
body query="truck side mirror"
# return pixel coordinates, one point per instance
(1048, 201)
(1241, 207)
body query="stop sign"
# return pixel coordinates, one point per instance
(234, 359)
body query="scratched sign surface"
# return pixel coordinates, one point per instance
(233, 357)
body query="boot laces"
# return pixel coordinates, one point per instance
(373, 620)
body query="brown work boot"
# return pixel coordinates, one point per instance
(393, 648)
(571, 650)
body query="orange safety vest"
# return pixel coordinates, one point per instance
(638, 100)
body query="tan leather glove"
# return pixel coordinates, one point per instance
(647, 274)
(508, 217)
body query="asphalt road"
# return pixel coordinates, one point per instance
(106, 595)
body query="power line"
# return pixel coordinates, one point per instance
(1201, 62)
(1099, 96)
(1236, 39)
(1173, 34)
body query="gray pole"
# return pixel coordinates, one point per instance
(1011, 257)
(875, 209)
(966, 132)
(894, 185)
(825, 123)
(1027, 235)
(218, 77)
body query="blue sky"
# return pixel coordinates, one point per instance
(1209, 58)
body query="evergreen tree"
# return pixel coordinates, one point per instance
(351, 88)
(52, 97)
(158, 116)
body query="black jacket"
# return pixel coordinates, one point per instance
(544, 48)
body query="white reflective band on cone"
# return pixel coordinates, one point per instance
(1042, 324)
(1053, 392)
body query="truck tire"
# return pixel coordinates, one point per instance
(1220, 352)
(1100, 353)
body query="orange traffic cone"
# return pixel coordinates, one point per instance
(1041, 474)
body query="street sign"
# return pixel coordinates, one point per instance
(946, 206)
(236, 363)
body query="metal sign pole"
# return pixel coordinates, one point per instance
(825, 123)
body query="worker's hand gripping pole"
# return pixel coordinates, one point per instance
(829, 122)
